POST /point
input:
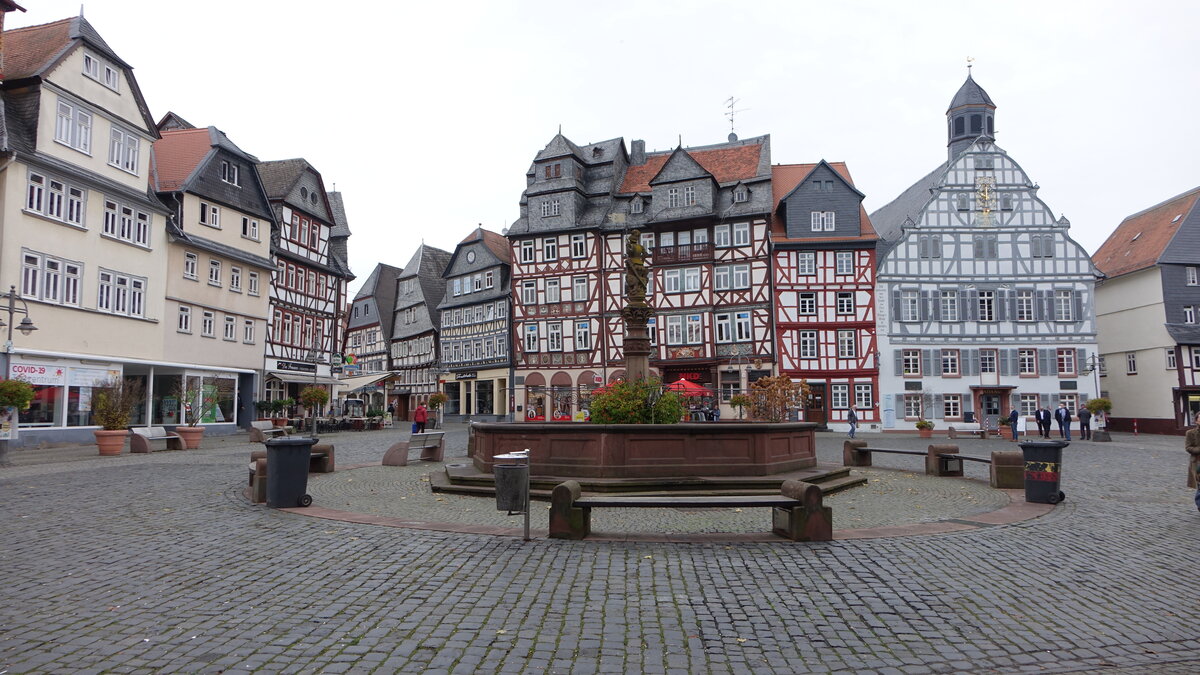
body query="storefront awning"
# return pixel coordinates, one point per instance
(303, 379)
(356, 383)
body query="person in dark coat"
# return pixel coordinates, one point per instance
(1085, 423)
(1043, 417)
(1013, 416)
(1063, 416)
(852, 418)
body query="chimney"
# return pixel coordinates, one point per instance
(637, 152)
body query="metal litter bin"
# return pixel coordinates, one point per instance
(1043, 469)
(287, 471)
(511, 472)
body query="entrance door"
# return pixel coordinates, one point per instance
(815, 410)
(989, 404)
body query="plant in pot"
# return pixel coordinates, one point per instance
(924, 428)
(199, 403)
(741, 402)
(15, 396)
(314, 398)
(636, 402)
(1100, 408)
(435, 403)
(263, 408)
(113, 403)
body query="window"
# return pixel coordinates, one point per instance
(910, 308)
(249, 228)
(724, 323)
(50, 279)
(806, 263)
(822, 221)
(807, 303)
(123, 150)
(847, 344)
(248, 331)
(122, 222)
(47, 197)
(579, 289)
(691, 279)
(839, 396)
(985, 246)
(121, 294)
(252, 288)
(845, 303)
(554, 336)
(741, 234)
(531, 338)
(230, 329)
(1196, 358)
(1189, 314)
(672, 198)
(987, 305)
(578, 246)
(214, 272)
(648, 241)
(929, 246)
(235, 279)
(1041, 245)
(230, 173)
(1006, 200)
(689, 196)
(552, 170)
(91, 66)
(1064, 303)
(671, 281)
(501, 309)
(949, 306)
(1025, 306)
(477, 283)
(529, 292)
(721, 236)
(988, 361)
(952, 406)
(456, 285)
(1027, 362)
(742, 331)
(808, 344)
(550, 249)
(1066, 362)
(1071, 400)
(185, 319)
(1172, 362)
(910, 362)
(962, 202)
(636, 206)
(740, 194)
(583, 335)
(1029, 404)
(950, 362)
(845, 262)
(73, 126)
(210, 215)
(695, 329)
(652, 328)
(489, 279)
(675, 330)
(208, 324)
(864, 396)
(553, 291)
(527, 251)
(912, 406)
(1192, 278)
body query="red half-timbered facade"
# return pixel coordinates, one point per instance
(824, 291)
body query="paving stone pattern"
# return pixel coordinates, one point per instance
(157, 563)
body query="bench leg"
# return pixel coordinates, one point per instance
(397, 455)
(434, 454)
(138, 443)
(803, 523)
(321, 464)
(568, 521)
(258, 483)
(175, 444)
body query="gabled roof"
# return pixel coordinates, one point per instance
(172, 121)
(727, 162)
(889, 219)
(279, 176)
(680, 161)
(177, 155)
(970, 93)
(382, 278)
(495, 242)
(559, 146)
(786, 178)
(1140, 240)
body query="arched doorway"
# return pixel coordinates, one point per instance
(562, 397)
(535, 397)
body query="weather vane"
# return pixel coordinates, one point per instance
(970, 60)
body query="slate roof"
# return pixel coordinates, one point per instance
(427, 265)
(889, 219)
(495, 242)
(378, 291)
(223, 249)
(382, 277)
(787, 177)
(278, 176)
(1142, 238)
(726, 164)
(970, 93)
(341, 227)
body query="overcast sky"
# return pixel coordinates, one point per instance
(427, 115)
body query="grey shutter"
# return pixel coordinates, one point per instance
(937, 362)
(1002, 300)
(1039, 305)
(1014, 402)
(895, 304)
(993, 247)
(1082, 398)
(923, 308)
(1076, 306)
(922, 246)
(972, 361)
(939, 406)
(1046, 364)
(1006, 362)
(1044, 400)
(899, 354)
(1080, 360)
(935, 305)
(963, 305)
(926, 361)
(972, 312)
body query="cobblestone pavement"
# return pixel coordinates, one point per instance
(157, 563)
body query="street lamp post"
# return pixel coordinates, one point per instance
(737, 363)
(26, 327)
(314, 355)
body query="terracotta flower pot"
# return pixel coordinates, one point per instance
(191, 436)
(925, 433)
(111, 442)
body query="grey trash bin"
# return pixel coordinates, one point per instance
(1043, 471)
(287, 471)
(511, 472)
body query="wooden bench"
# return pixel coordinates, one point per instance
(142, 437)
(261, 430)
(856, 453)
(431, 443)
(797, 513)
(320, 460)
(974, 428)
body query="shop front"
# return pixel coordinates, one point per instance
(478, 395)
(286, 379)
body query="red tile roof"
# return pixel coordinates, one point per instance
(729, 164)
(785, 178)
(177, 155)
(496, 243)
(28, 50)
(1141, 238)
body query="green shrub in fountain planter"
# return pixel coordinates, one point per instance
(630, 403)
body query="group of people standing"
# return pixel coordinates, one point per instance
(1063, 417)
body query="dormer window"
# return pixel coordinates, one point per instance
(637, 205)
(229, 173)
(553, 170)
(740, 194)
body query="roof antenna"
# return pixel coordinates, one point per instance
(681, 140)
(81, 10)
(730, 103)
(560, 128)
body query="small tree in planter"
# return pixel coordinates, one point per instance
(436, 401)
(278, 411)
(197, 403)
(15, 396)
(1100, 408)
(263, 408)
(741, 402)
(315, 399)
(772, 397)
(640, 402)
(112, 405)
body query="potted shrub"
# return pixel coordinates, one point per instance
(639, 402)
(924, 428)
(15, 396)
(741, 402)
(263, 408)
(435, 403)
(315, 399)
(279, 411)
(112, 406)
(198, 403)
(1099, 407)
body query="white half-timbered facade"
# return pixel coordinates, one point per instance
(985, 302)
(824, 291)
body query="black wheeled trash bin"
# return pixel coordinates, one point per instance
(287, 471)
(1043, 470)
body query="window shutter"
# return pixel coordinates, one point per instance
(1076, 306)
(937, 361)
(895, 304)
(1039, 307)
(1080, 360)
(1054, 401)
(1014, 402)
(1005, 362)
(926, 361)
(1002, 300)
(935, 305)
(972, 308)
(970, 359)
(1046, 365)
(899, 354)
(1082, 398)
(939, 406)
(925, 312)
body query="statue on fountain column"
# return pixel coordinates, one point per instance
(636, 277)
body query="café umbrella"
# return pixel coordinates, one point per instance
(688, 388)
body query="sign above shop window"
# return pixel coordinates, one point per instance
(466, 376)
(296, 367)
(37, 373)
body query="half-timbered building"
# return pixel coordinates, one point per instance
(308, 290)
(701, 213)
(474, 339)
(985, 302)
(1148, 311)
(415, 328)
(823, 252)
(368, 338)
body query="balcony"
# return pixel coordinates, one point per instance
(683, 253)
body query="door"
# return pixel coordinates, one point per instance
(815, 410)
(989, 404)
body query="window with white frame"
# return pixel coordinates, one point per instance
(1029, 404)
(675, 329)
(123, 150)
(689, 195)
(845, 303)
(456, 286)
(1066, 361)
(672, 198)
(950, 365)
(583, 335)
(721, 236)
(208, 324)
(579, 289)
(529, 292)
(210, 215)
(807, 303)
(648, 242)
(550, 248)
(839, 396)
(845, 262)
(248, 331)
(740, 194)
(636, 206)
(666, 239)
(806, 263)
(120, 293)
(214, 272)
(1189, 314)
(55, 199)
(742, 328)
(910, 362)
(808, 344)
(249, 228)
(184, 324)
(477, 283)
(652, 329)
(722, 277)
(988, 361)
(230, 331)
(1172, 362)
(1195, 358)
(952, 406)
(501, 309)
(50, 279)
(252, 285)
(695, 330)
(489, 279)
(864, 396)
(73, 126)
(531, 337)
(1027, 362)
(949, 305)
(527, 251)
(847, 344)
(910, 308)
(724, 325)
(1193, 278)
(91, 66)
(741, 276)
(986, 303)
(1064, 304)
(741, 234)
(122, 222)
(1025, 306)
(230, 173)
(912, 406)
(672, 280)
(1071, 400)
(554, 336)
(553, 291)
(822, 221)
(691, 279)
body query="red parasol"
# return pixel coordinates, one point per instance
(688, 388)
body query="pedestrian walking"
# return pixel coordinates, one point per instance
(1085, 423)
(852, 418)
(1013, 416)
(1043, 417)
(420, 416)
(1063, 416)
(1192, 445)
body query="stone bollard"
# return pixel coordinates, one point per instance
(258, 482)
(854, 455)
(1008, 469)
(936, 466)
(811, 521)
(397, 455)
(568, 521)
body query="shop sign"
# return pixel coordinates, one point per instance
(694, 377)
(296, 367)
(37, 374)
(92, 377)
(466, 376)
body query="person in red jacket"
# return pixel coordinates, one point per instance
(420, 416)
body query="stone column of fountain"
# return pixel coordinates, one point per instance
(636, 312)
